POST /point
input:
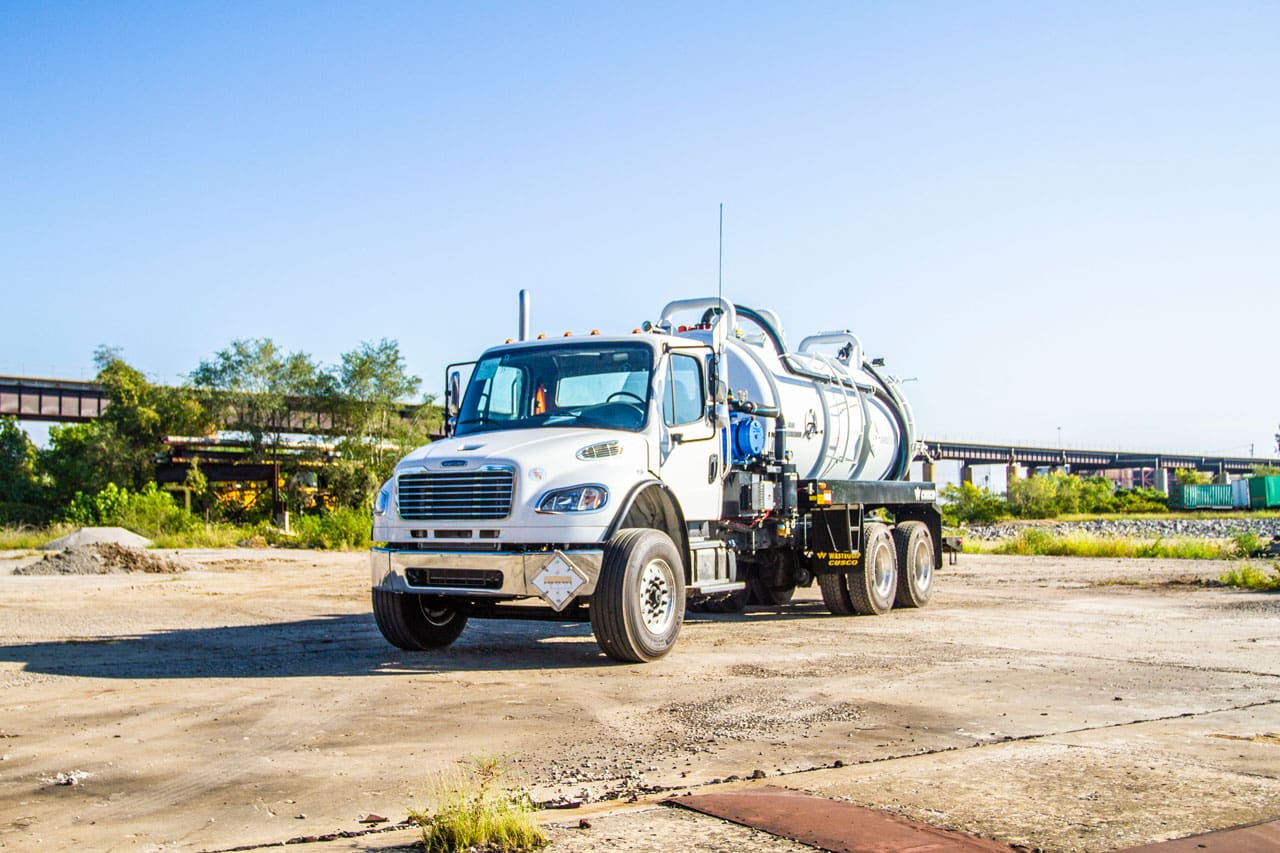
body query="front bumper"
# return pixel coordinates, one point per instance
(555, 576)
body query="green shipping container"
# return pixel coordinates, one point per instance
(1264, 492)
(1201, 497)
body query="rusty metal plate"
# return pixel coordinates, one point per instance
(830, 824)
(1250, 838)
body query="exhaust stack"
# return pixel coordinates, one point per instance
(524, 315)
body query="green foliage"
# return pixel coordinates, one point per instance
(1042, 496)
(257, 388)
(1252, 576)
(250, 386)
(150, 512)
(968, 504)
(344, 527)
(368, 389)
(1046, 496)
(138, 417)
(1192, 477)
(21, 490)
(1247, 541)
(1140, 500)
(1265, 471)
(1097, 494)
(475, 812)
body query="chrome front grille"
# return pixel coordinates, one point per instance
(433, 496)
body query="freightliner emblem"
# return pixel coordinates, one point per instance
(558, 582)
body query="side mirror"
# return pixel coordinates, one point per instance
(453, 397)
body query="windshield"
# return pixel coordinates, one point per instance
(574, 385)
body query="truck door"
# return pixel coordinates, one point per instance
(689, 453)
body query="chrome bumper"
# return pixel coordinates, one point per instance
(519, 571)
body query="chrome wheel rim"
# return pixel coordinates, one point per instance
(922, 566)
(657, 596)
(882, 571)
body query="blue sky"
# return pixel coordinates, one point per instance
(1050, 215)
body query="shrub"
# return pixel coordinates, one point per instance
(1140, 500)
(150, 512)
(341, 528)
(968, 504)
(1038, 497)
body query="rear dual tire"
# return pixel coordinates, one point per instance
(895, 568)
(870, 586)
(916, 560)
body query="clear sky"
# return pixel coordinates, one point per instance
(1054, 216)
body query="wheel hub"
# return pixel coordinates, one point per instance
(657, 607)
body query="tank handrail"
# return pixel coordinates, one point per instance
(723, 326)
(844, 337)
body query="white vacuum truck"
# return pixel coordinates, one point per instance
(621, 479)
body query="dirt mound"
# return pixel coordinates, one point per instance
(106, 558)
(93, 535)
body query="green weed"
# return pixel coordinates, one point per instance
(1252, 576)
(475, 811)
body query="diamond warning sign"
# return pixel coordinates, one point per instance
(558, 581)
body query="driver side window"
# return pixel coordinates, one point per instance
(682, 403)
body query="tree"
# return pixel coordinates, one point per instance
(369, 391)
(20, 487)
(255, 387)
(139, 416)
(968, 504)
(78, 459)
(1192, 477)
(1034, 497)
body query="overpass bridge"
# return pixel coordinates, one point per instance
(1016, 457)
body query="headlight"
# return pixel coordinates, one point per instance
(577, 499)
(383, 500)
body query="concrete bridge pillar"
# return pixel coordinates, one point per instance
(1161, 480)
(1013, 471)
(966, 473)
(927, 472)
(1222, 478)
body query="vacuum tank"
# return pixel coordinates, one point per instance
(841, 418)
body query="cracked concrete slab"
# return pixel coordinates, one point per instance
(1068, 704)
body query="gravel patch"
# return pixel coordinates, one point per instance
(106, 558)
(1153, 528)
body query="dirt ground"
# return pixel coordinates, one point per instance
(1055, 703)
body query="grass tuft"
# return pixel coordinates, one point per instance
(474, 810)
(1249, 575)
(25, 538)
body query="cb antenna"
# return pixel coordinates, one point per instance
(720, 267)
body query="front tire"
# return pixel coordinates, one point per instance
(416, 622)
(638, 605)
